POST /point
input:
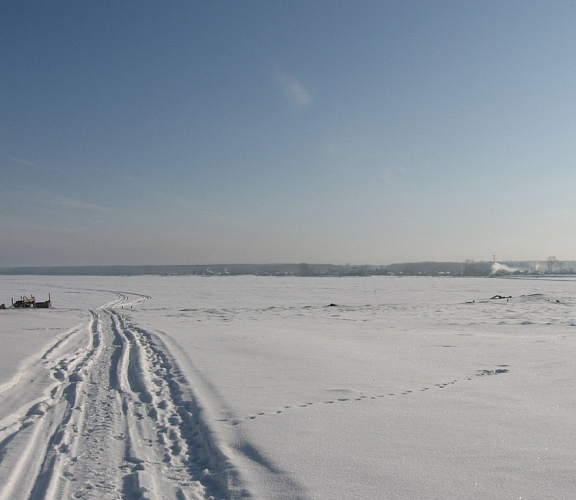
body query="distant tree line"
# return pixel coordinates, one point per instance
(428, 268)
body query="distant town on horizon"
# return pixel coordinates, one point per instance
(426, 268)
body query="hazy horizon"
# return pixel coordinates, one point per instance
(426, 267)
(258, 131)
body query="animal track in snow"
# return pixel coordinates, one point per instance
(499, 370)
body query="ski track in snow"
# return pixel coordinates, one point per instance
(116, 422)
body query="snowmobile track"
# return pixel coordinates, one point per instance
(118, 421)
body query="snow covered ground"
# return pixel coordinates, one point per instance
(288, 388)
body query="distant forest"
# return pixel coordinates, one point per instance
(466, 268)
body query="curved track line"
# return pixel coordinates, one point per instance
(116, 422)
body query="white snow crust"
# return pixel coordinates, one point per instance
(185, 387)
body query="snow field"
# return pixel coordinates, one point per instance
(289, 388)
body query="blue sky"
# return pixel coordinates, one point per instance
(371, 132)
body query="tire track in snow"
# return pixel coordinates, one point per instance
(117, 423)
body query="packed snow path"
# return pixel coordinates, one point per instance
(115, 422)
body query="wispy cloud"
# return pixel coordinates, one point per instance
(54, 200)
(25, 162)
(11, 226)
(294, 91)
(32, 164)
(71, 203)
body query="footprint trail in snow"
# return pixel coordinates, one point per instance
(499, 370)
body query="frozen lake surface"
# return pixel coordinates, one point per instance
(288, 388)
